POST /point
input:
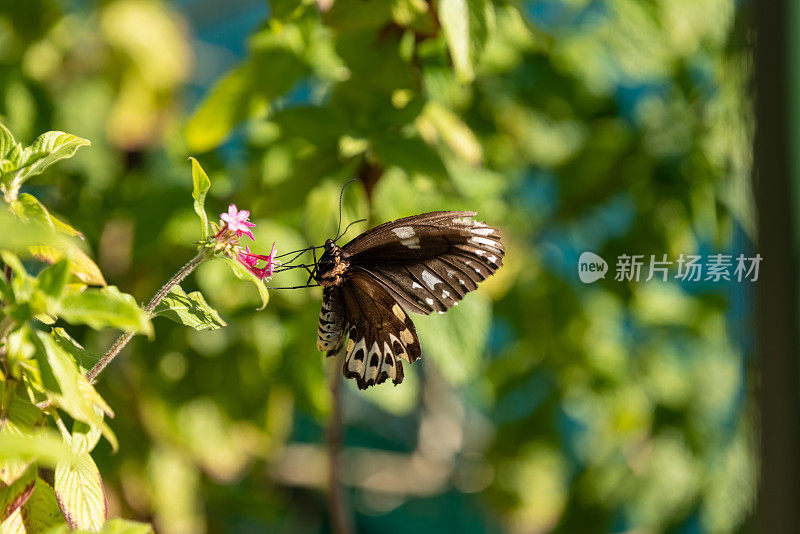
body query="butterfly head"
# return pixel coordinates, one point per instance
(331, 266)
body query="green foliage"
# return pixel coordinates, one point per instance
(43, 371)
(191, 310)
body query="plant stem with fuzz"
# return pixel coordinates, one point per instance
(123, 340)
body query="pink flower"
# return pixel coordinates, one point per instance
(250, 260)
(247, 259)
(237, 221)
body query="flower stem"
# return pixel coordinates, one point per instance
(341, 521)
(123, 340)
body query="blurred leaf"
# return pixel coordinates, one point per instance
(81, 265)
(349, 16)
(456, 340)
(21, 417)
(40, 512)
(42, 445)
(453, 131)
(191, 310)
(100, 308)
(411, 154)
(28, 207)
(14, 495)
(225, 106)
(243, 273)
(18, 236)
(201, 186)
(54, 278)
(466, 25)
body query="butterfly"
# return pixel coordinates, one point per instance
(421, 264)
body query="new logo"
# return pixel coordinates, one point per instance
(591, 267)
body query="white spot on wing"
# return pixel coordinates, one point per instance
(483, 231)
(415, 285)
(429, 301)
(483, 241)
(412, 242)
(430, 280)
(445, 294)
(492, 259)
(403, 232)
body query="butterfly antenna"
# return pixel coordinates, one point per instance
(347, 228)
(341, 196)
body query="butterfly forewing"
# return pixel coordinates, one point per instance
(431, 261)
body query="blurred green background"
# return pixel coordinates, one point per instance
(540, 404)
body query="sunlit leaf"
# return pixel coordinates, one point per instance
(10, 153)
(46, 150)
(42, 445)
(201, 186)
(14, 495)
(68, 388)
(100, 308)
(54, 278)
(454, 132)
(191, 310)
(41, 512)
(224, 107)
(243, 273)
(466, 25)
(79, 488)
(28, 207)
(82, 357)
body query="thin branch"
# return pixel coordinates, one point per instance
(151, 306)
(341, 520)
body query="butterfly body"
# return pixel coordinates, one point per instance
(420, 264)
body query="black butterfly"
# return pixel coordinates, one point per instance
(421, 264)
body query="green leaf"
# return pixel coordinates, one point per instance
(105, 307)
(411, 154)
(466, 25)
(80, 264)
(454, 132)
(457, 339)
(54, 278)
(46, 150)
(224, 107)
(201, 186)
(82, 357)
(21, 417)
(79, 491)
(14, 495)
(68, 388)
(191, 310)
(42, 445)
(243, 273)
(18, 235)
(28, 207)
(10, 152)
(41, 511)
(112, 526)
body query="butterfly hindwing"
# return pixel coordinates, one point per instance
(428, 262)
(381, 333)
